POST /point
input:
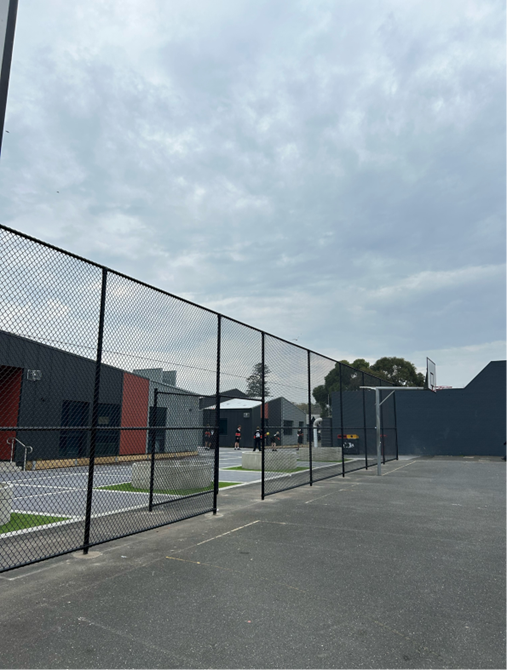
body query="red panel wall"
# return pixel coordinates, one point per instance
(134, 412)
(10, 392)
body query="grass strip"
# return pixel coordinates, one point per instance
(128, 488)
(19, 521)
(241, 469)
(325, 462)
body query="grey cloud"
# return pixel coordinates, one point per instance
(263, 156)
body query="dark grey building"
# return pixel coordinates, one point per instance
(177, 408)
(281, 415)
(451, 422)
(456, 422)
(45, 387)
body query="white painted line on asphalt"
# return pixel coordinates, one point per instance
(29, 574)
(23, 531)
(48, 486)
(401, 466)
(227, 533)
(43, 495)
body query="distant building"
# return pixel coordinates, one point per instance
(280, 415)
(45, 387)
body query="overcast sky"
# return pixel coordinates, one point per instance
(330, 171)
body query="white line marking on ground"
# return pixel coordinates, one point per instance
(30, 496)
(29, 574)
(401, 466)
(227, 533)
(31, 529)
(49, 486)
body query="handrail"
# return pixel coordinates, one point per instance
(12, 441)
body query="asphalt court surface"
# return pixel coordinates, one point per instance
(406, 570)
(62, 492)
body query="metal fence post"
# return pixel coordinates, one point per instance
(341, 418)
(364, 425)
(263, 389)
(395, 425)
(310, 424)
(95, 414)
(153, 440)
(382, 438)
(379, 430)
(216, 436)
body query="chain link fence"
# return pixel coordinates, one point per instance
(119, 402)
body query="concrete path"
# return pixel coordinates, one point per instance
(406, 570)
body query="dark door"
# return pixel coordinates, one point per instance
(157, 419)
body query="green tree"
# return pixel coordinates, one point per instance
(349, 378)
(254, 382)
(398, 371)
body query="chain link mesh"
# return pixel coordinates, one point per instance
(328, 454)
(116, 398)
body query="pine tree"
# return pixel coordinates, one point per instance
(254, 382)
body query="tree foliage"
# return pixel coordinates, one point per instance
(398, 371)
(349, 377)
(254, 381)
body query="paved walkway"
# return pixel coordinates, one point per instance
(406, 570)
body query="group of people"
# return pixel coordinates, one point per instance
(274, 439)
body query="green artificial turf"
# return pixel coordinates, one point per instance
(238, 467)
(324, 462)
(19, 521)
(127, 486)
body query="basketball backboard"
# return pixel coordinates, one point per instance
(431, 375)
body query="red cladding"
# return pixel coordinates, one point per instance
(10, 392)
(134, 412)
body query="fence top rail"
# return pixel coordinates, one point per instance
(153, 288)
(171, 295)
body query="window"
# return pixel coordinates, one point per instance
(108, 441)
(74, 443)
(301, 424)
(287, 427)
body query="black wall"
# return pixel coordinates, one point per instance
(455, 422)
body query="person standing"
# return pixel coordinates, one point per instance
(257, 439)
(274, 439)
(300, 437)
(207, 437)
(237, 438)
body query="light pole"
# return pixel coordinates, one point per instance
(8, 11)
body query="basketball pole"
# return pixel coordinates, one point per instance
(378, 403)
